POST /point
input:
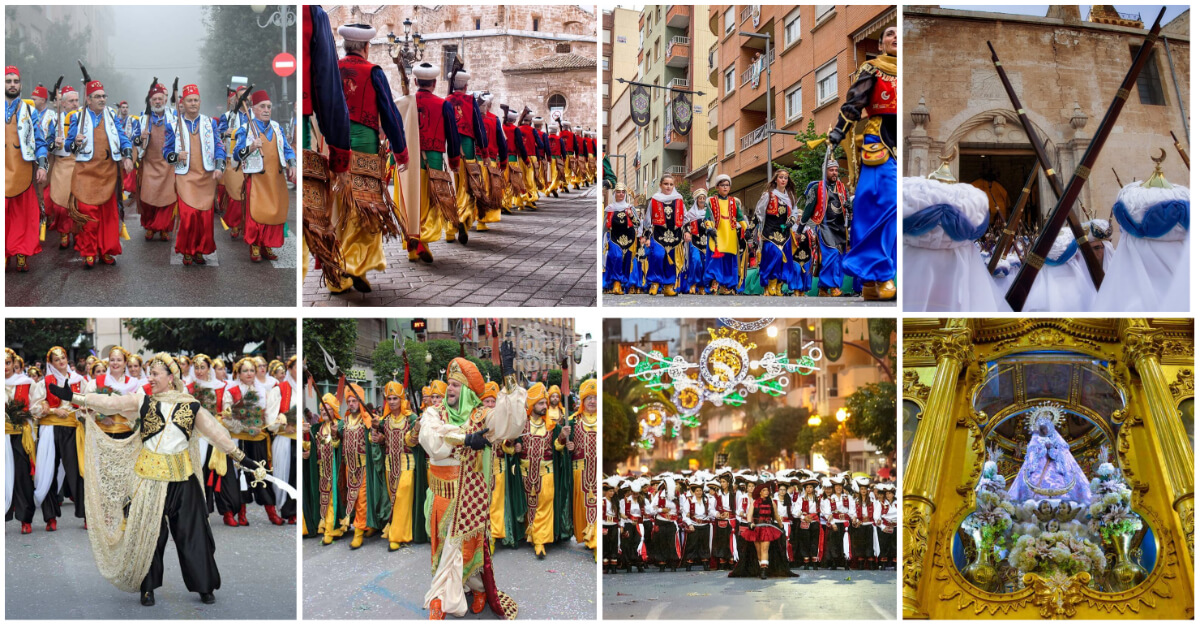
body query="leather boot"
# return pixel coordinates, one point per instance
(230, 520)
(273, 516)
(242, 521)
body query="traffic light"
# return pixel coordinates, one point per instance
(795, 343)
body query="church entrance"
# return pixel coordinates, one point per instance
(1002, 173)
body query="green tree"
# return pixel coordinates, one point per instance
(873, 415)
(808, 165)
(31, 338)
(217, 336)
(236, 46)
(56, 53)
(739, 457)
(620, 430)
(809, 436)
(337, 337)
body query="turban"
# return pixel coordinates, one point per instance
(490, 389)
(587, 389)
(536, 392)
(439, 387)
(332, 404)
(466, 373)
(393, 389)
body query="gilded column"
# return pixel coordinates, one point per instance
(1142, 349)
(952, 348)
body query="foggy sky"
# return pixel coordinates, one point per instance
(156, 40)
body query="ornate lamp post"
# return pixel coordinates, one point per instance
(282, 18)
(409, 49)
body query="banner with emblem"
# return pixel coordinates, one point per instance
(681, 113)
(639, 105)
(880, 335)
(831, 334)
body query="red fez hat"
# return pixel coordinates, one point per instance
(93, 87)
(122, 103)
(12, 70)
(40, 91)
(190, 89)
(65, 90)
(259, 96)
(158, 89)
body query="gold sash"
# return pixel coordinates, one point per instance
(166, 467)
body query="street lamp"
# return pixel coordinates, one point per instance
(814, 420)
(772, 331)
(842, 415)
(283, 19)
(408, 50)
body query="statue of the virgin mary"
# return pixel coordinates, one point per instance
(1049, 471)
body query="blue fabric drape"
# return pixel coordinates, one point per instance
(951, 220)
(1159, 219)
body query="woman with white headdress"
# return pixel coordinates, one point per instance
(777, 212)
(664, 539)
(60, 443)
(142, 484)
(621, 224)
(611, 528)
(889, 520)
(836, 508)
(253, 416)
(19, 448)
(1151, 267)
(663, 224)
(114, 380)
(221, 488)
(697, 244)
(943, 270)
(1064, 284)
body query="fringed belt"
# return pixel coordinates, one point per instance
(175, 467)
(443, 488)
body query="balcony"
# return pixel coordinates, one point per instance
(679, 15)
(748, 73)
(677, 171)
(672, 140)
(745, 14)
(712, 119)
(755, 137)
(679, 52)
(713, 69)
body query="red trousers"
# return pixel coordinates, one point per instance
(58, 218)
(23, 222)
(263, 235)
(233, 208)
(195, 234)
(130, 181)
(156, 218)
(102, 236)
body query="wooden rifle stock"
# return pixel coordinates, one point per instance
(1014, 221)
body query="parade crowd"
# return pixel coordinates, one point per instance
(749, 524)
(409, 478)
(73, 162)
(474, 165)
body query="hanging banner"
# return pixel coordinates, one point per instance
(880, 330)
(639, 105)
(681, 110)
(831, 333)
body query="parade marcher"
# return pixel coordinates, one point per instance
(20, 456)
(555, 158)
(1064, 284)
(102, 152)
(806, 525)
(368, 214)
(725, 221)
(777, 213)
(889, 520)
(762, 530)
(696, 510)
(872, 254)
(532, 143)
(633, 509)
(508, 501)
(724, 543)
(439, 144)
(472, 138)
(405, 468)
(493, 173)
(696, 238)
(112, 378)
(836, 508)
(864, 540)
(254, 414)
(517, 163)
(663, 224)
(555, 411)
(283, 442)
(666, 549)
(222, 489)
(362, 458)
(609, 524)
(196, 180)
(57, 194)
(580, 440)
(538, 473)
(826, 210)
(621, 226)
(231, 191)
(327, 449)
(140, 487)
(24, 164)
(268, 162)
(60, 444)
(457, 437)
(571, 164)
(155, 176)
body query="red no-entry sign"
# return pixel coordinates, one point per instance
(284, 64)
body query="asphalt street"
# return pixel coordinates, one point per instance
(52, 575)
(542, 258)
(373, 583)
(711, 595)
(150, 273)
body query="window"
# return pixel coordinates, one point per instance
(605, 112)
(793, 103)
(730, 78)
(448, 53)
(536, 23)
(827, 89)
(1149, 83)
(791, 28)
(606, 63)
(730, 138)
(823, 10)
(654, 129)
(607, 36)
(557, 102)
(729, 20)
(605, 90)
(478, 24)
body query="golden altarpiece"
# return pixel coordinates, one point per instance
(1124, 391)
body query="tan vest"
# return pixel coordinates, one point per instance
(196, 187)
(157, 179)
(269, 193)
(95, 181)
(18, 173)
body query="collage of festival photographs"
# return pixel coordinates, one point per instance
(402, 343)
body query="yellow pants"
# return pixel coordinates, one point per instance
(512, 201)
(467, 211)
(432, 222)
(584, 533)
(491, 215)
(531, 187)
(497, 510)
(400, 530)
(329, 523)
(542, 528)
(362, 250)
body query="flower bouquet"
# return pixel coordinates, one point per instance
(1115, 523)
(1052, 553)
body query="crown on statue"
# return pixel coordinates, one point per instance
(1057, 418)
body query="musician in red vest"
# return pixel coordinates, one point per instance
(19, 432)
(472, 140)
(373, 119)
(60, 435)
(439, 140)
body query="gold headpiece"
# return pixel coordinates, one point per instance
(55, 350)
(124, 353)
(202, 357)
(1055, 411)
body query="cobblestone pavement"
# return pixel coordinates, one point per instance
(150, 273)
(711, 595)
(545, 258)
